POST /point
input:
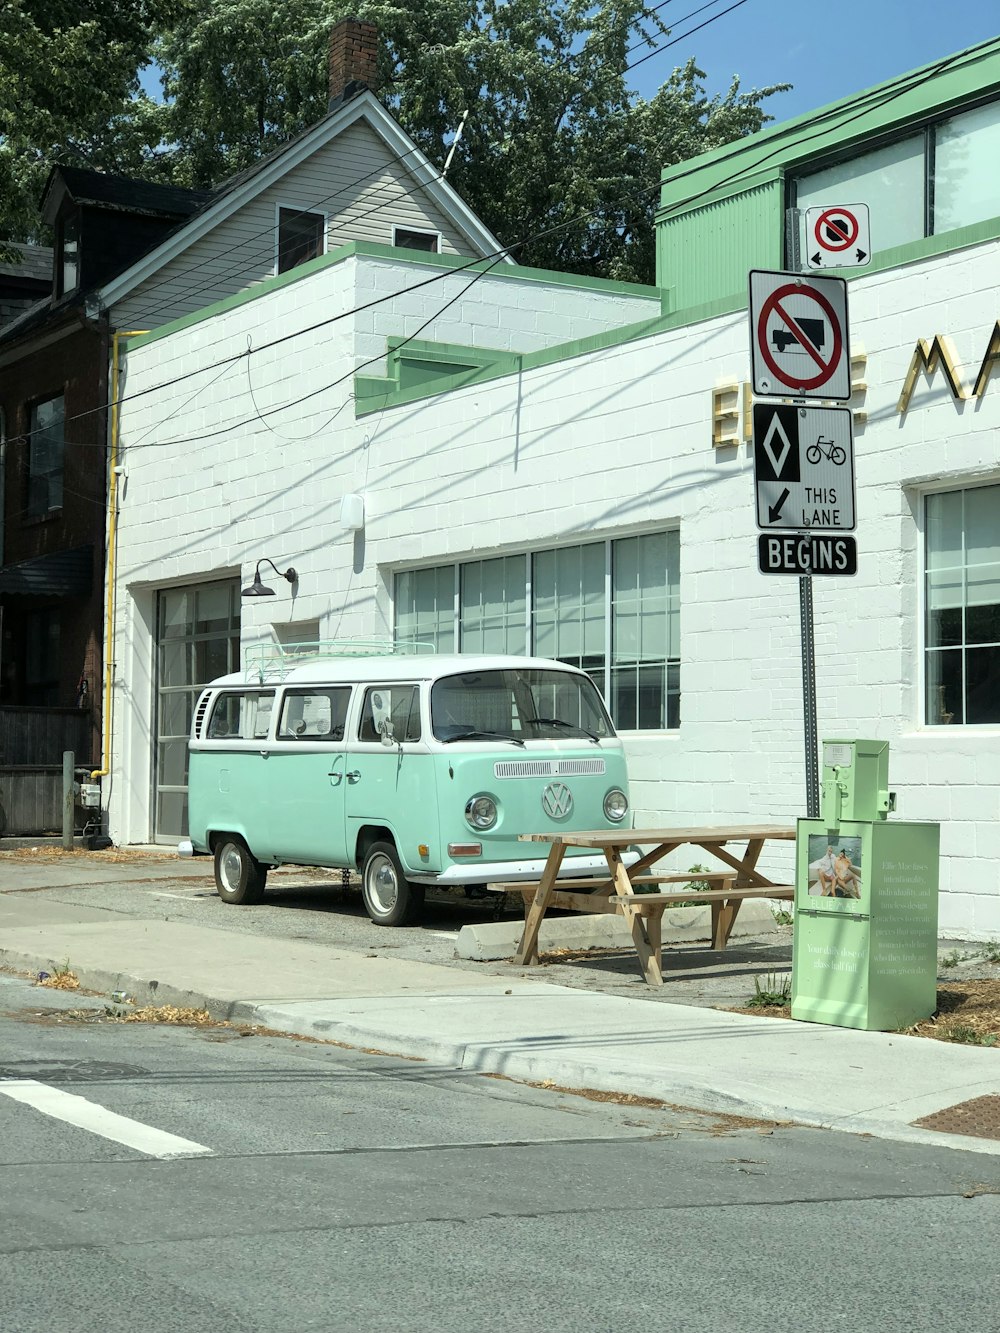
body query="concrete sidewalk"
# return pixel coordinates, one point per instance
(524, 1028)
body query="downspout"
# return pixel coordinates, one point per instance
(109, 577)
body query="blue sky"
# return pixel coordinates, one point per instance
(827, 50)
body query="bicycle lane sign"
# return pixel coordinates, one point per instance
(799, 344)
(803, 463)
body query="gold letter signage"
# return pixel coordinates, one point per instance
(928, 357)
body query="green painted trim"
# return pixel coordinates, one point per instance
(915, 96)
(372, 250)
(375, 395)
(419, 365)
(962, 238)
(254, 293)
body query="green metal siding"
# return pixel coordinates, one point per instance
(722, 213)
(705, 255)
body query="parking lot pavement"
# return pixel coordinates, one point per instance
(311, 905)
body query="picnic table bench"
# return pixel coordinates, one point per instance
(644, 910)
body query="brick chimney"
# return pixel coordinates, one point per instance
(353, 60)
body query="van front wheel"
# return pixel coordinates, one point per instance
(239, 876)
(390, 899)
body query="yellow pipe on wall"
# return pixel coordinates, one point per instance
(109, 577)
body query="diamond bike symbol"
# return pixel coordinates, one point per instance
(557, 800)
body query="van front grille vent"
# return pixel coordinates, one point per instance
(569, 768)
(547, 768)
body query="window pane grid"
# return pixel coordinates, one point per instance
(962, 598)
(611, 608)
(492, 606)
(425, 609)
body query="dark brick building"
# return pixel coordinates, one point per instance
(54, 359)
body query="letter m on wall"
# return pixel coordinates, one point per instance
(937, 354)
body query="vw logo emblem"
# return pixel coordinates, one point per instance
(557, 800)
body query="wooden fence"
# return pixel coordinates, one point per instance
(32, 742)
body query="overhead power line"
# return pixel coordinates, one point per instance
(753, 167)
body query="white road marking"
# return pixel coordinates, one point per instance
(443, 934)
(160, 893)
(95, 1119)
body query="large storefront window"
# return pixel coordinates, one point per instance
(925, 184)
(198, 639)
(962, 593)
(610, 607)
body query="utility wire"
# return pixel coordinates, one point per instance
(183, 292)
(898, 92)
(735, 176)
(685, 35)
(267, 232)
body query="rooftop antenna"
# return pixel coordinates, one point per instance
(454, 144)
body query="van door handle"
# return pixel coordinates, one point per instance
(354, 775)
(263, 753)
(336, 777)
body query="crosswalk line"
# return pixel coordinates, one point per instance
(78, 1111)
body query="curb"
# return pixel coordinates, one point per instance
(499, 1059)
(139, 989)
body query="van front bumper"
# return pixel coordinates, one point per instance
(500, 872)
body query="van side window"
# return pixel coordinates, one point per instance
(241, 715)
(391, 710)
(314, 715)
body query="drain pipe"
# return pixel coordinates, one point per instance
(109, 577)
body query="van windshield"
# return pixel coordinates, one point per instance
(519, 704)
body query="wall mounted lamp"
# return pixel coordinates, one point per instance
(259, 589)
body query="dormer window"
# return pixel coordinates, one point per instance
(68, 255)
(301, 237)
(408, 238)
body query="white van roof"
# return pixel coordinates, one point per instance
(385, 669)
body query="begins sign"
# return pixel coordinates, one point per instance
(807, 553)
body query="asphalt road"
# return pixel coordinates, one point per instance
(333, 1190)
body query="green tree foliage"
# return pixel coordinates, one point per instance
(69, 92)
(557, 156)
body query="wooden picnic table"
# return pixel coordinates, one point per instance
(740, 880)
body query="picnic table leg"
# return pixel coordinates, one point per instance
(654, 929)
(724, 917)
(649, 957)
(527, 950)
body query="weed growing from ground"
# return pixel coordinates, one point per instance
(773, 990)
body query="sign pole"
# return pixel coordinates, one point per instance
(809, 695)
(799, 350)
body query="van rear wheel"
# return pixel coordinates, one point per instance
(239, 876)
(390, 899)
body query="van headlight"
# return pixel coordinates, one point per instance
(616, 805)
(481, 812)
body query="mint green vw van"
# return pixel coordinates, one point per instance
(414, 770)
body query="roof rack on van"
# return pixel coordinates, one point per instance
(269, 661)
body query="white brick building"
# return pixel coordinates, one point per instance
(549, 466)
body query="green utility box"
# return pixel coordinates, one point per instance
(866, 901)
